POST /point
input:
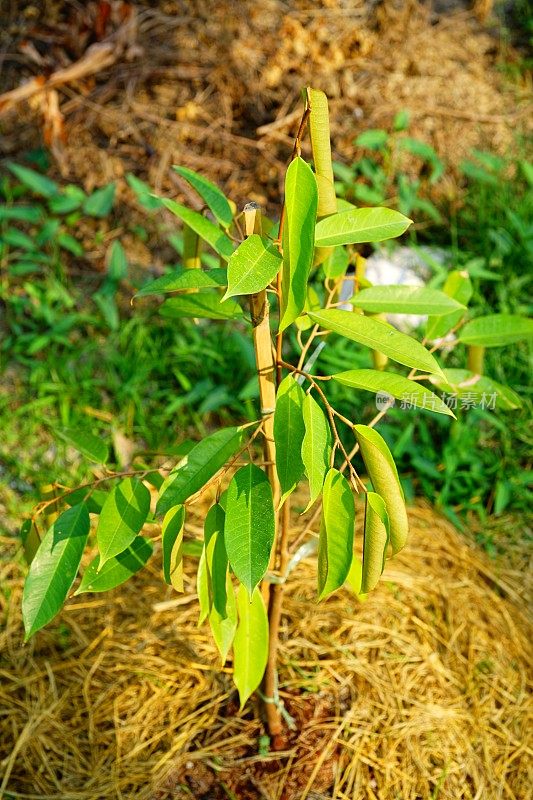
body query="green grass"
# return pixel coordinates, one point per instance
(74, 353)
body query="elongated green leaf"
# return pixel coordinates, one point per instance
(37, 183)
(404, 300)
(203, 588)
(205, 229)
(335, 544)
(94, 499)
(496, 330)
(143, 193)
(216, 557)
(30, 540)
(250, 646)
(117, 268)
(203, 304)
(467, 389)
(181, 280)
(214, 199)
(360, 225)
(249, 527)
(203, 462)
(122, 517)
(289, 430)
(301, 198)
(379, 336)
(172, 545)
(384, 476)
(223, 627)
(252, 266)
(118, 569)
(459, 286)
(316, 446)
(410, 392)
(321, 144)
(70, 199)
(375, 541)
(355, 576)
(54, 568)
(100, 202)
(89, 445)
(23, 213)
(337, 263)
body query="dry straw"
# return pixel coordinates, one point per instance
(419, 692)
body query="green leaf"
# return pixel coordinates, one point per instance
(496, 330)
(116, 570)
(30, 540)
(31, 214)
(210, 194)
(203, 588)
(70, 199)
(143, 193)
(16, 238)
(93, 498)
(411, 392)
(100, 202)
(360, 225)
(181, 280)
(404, 300)
(223, 627)
(316, 446)
(250, 646)
(205, 229)
(337, 263)
(204, 305)
(252, 266)
(477, 389)
(122, 517)
(172, 545)
(384, 476)
(335, 544)
(68, 242)
(216, 557)
(355, 576)
(379, 336)
(54, 568)
(301, 198)
(89, 445)
(459, 286)
(373, 139)
(376, 540)
(249, 528)
(289, 431)
(37, 183)
(118, 265)
(203, 462)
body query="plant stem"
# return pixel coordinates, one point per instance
(266, 372)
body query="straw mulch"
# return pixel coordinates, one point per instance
(419, 692)
(216, 86)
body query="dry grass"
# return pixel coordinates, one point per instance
(419, 692)
(216, 90)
